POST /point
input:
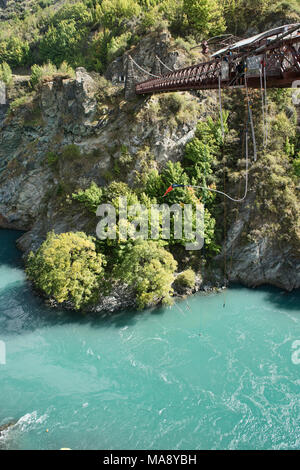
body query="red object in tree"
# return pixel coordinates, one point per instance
(168, 190)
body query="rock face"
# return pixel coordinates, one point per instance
(266, 261)
(155, 44)
(65, 112)
(68, 114)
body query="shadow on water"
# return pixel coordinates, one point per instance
(9, 254)
(284, 300)
(22, 310)
(281, 299)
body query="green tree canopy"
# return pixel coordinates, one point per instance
(67, 267)
(150, 268)
(204, 16)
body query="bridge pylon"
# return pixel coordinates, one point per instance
(130, 80)
(156, 69)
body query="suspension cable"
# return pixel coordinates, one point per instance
(143, 70)
(164, 64)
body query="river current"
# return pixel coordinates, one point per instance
(194, 376)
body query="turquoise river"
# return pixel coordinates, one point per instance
(193, 376)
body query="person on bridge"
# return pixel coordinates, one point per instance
(205, 48)
(240, 70)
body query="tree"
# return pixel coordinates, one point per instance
(113, 12)
(204, 16)
(62, 42)
(149, 268)
(67, 268)
(90, 197)
(6, 73)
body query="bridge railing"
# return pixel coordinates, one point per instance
(282, 62)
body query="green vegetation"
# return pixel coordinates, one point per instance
(20, 102)
(50, 71)
(90, 33)
(90, 198)
(186, 279)
(150, 269)
(70, 152)
(296, 165)
(68, 268)
(204, 16)
(5, 73)
(52, 38)
(52, 159)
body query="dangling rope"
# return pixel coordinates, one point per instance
(164, 64)
(224, 194)
(250, 117)
(266, 102)
(143, 70)
(262, 103)
(246, 174)
(220, 101)
(225, 230)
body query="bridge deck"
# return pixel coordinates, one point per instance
(279, 61)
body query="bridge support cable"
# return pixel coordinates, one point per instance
(162, 63)
(142, 69)
(220, 102)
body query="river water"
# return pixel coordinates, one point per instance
(194, 376)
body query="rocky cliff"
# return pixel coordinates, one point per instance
(72, 131)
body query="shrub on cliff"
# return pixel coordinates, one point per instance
(49, 70)
(67, 268)
(5, 73)
(90, 197)
(186, 279)
(149, 268)
(296, 165)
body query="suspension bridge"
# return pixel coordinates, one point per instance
(270, 59)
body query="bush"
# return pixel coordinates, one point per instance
(5, 73)
(204, 16)
(149, 268)
(117, 46)
(63, 42)
(14, 51)
(90, 198)
(70, 152)
(49, 70)
(186, 279)
(67, 268)
(52, 159)
(113, 12)
(18, 102)
(296, 165)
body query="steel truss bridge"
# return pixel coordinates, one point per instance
(270, 59)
